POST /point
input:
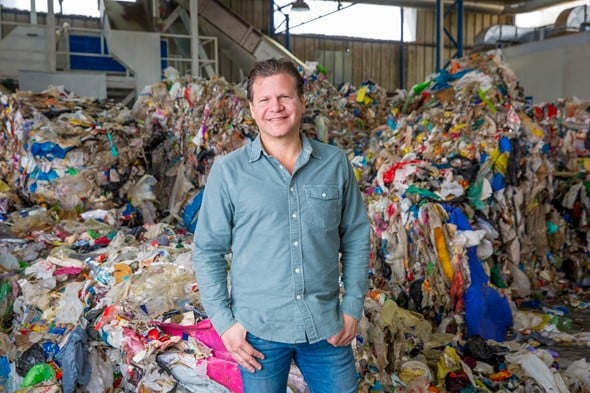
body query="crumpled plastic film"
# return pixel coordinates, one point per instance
(69, 153)
(476, 198)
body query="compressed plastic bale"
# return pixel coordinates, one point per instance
(429, 132)
(53, 140)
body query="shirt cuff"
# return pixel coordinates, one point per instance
(222, 321)
(352, 306)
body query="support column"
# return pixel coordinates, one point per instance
(194, 12)
(460, 22)
(402, 49)
(33, 13)
(439, 33)
(51, 41)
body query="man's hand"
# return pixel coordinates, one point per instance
(347, 334)
(235, 342)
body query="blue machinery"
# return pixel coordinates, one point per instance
(88, 53)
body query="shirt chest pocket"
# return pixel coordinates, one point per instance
(323, 206)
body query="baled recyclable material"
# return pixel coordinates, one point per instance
(477, 200)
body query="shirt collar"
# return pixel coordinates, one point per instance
(308, 149)
(256, 149)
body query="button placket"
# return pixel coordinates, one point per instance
(296, 253)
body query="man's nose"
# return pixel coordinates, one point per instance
(275, 104)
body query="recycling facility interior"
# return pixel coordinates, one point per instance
(475, 179)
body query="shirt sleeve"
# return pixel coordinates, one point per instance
(354, 247)
(211, 243)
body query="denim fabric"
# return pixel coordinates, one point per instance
(287, 234)
(325, 368)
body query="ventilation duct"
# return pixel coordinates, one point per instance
(571, 20)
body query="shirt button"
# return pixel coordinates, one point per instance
(295, 243)
(294, 215)
(292, 189)
(297, 270)
(323, 195)
(298, 297)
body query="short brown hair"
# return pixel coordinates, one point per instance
(273, 66)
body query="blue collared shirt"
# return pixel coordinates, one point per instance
(286, 234)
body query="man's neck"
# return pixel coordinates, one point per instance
(284, 150)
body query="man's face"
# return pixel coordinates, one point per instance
(276, 106)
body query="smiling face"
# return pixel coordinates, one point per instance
(277, 107)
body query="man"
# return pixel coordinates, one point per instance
(286, 207)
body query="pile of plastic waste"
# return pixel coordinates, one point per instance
(477, 199)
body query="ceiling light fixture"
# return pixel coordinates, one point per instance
(299, 5)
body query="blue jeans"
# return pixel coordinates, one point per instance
(325, 368)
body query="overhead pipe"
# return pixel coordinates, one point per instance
(488, 7)
(530, 6)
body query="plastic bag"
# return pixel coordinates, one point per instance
(71, 191)
(579, 372)
(73, 358)
(70, 307)
(38, 373)
(142, 191)
(32, 356)
(538, 370)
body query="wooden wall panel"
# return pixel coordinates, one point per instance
(370, 59)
